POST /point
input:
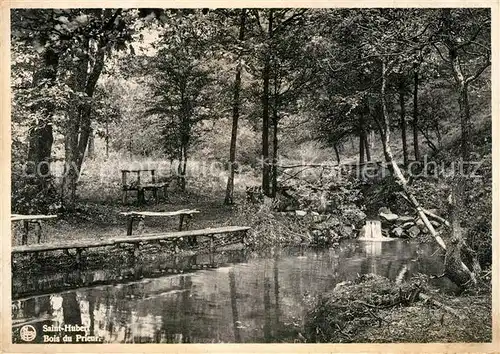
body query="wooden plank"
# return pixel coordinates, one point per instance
(179, 234)
(151, 237)
(60, 246)
(18, 217)
(160, 213)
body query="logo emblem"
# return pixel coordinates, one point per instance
(28, 333)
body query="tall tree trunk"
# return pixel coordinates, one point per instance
(465, 122)
(184, 169)
(337, 155)
(361, 134)
(40, 133)
(404, 184)
(276, 108)
(106, 139)
(367, 146)
(71, 169)
(437, 130)
(379, 121)
(274, 183)
(91, 145)
(462, 82)
(85, 120)
(71, 155)
(236, 115)
(181, 169)
(453, 259)
(415, 114)
(265, 112)
(83, 138)
(403, 124)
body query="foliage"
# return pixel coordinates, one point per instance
(33, 196)
(269, 228)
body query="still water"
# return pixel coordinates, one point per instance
(246, 298)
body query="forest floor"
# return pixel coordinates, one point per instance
(422, 322)
(378, 310)
(97, 221)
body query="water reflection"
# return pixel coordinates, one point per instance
(261, 300)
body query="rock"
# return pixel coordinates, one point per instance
(384, 210)
(332, 220)
(354, 216)
(420, 224)
(314, 213)
(413, 231)
(300, 212)
(349, 229)
(362, 232)
(435, 223)
(346, 230)
(408, 224)
(398, 232)
(388, 216)
(433, 211)
(405, 218)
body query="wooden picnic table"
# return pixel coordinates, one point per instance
(140, 215)
(31, 219)
(140, 187)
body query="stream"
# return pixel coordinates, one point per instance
(245, 298)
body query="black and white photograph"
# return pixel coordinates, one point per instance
(250, 175)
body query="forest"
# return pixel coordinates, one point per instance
(302, 124)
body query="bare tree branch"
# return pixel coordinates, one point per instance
(478, 72)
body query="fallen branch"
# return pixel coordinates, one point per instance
(437, 217)
(343, 333)
(425, 297)
(380, 319)
(294, 175)
(376, 306)
(427, 212)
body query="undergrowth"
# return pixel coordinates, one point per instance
(376, 309)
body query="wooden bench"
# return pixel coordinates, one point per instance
(31, 219)
(141, 187)
(174, 237)
(65, 247)
(140, 215)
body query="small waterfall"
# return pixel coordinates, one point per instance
(372, 231)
